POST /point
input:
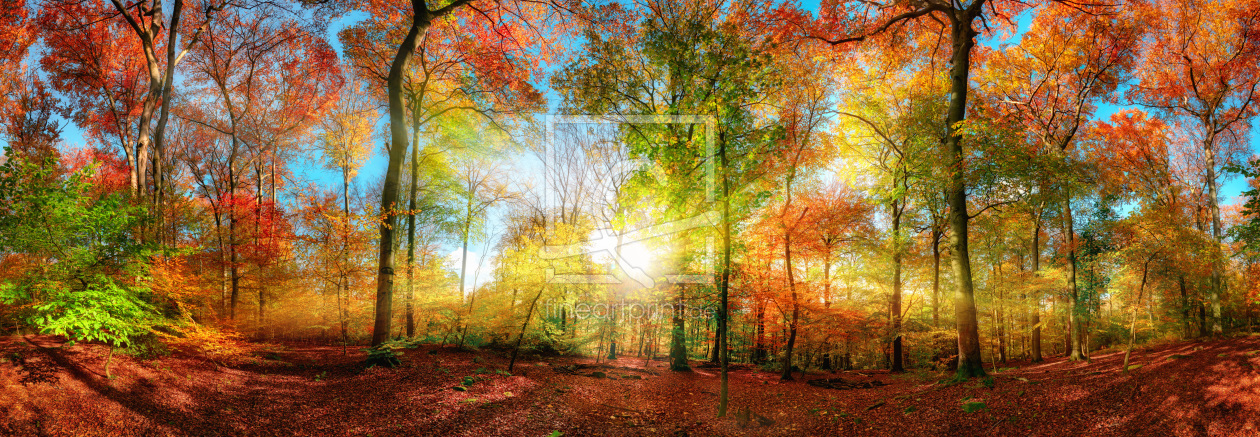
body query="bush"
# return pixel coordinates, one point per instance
(936, 350)
(146, 347)
(220, 346)
(389, 353)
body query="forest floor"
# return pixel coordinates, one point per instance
(1190, 388)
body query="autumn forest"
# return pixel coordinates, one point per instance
(641, 217)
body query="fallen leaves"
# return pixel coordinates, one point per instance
(317, 391)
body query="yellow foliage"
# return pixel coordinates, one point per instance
(219, 345)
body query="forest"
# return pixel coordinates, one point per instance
(629, 217)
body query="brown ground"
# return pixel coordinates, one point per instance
(1196, 388)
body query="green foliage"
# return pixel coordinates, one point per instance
(972, 407)
(1248, 231)
(389, 352)
(146, 347)
(102, 310)
(84, 244)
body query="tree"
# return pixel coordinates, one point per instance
(695, 58)
(164, 39)
(258, 76)
(346, 139)
(1062, 68)
(1203, 63)
(891, 132)
(492, 24)
(98, 67)
(482, 184)
(88, 285)
(847, 22)
(16, 36)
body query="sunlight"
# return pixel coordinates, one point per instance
(634, 254)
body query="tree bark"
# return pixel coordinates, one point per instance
(894, 309)
(1074, 331)
(1133, 321)
(796, 307)
(963, 40)
(411, 227)
(528, 316)
(1214, 298)
(936, 276)
(1036, 306)
(724, 287)
(421, 19)
(678, 335)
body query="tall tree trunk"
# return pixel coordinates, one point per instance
(463, 269)
(724, 287)
(344, 284)
(678, 335)
(1074, 330)
(411, 227)
(421, 19)
(963, 40)
(258, 282)
(894, 307)
(826, 346)
(519, 337)
(232, 243)
(1185, 305)
(759, 348)
(936, 276)
(796, 307)
(1001, 315)
(1133, 321)
(1214, 207)
(1036, 306)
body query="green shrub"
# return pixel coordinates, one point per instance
(146, 347)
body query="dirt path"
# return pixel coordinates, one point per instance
(1197, 388)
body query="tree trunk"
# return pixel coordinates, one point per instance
(724, 287)
(1185, 306)
(262, 303)
(411, 227)
(963, 40)
(894, 308)
(1036, 306)
(463, 268)
(109, 357)
(826, 347)
(678, 335)
(1074, 335)
(1133, 321)
(796, 307)
(421, 18)
(1213, 205)
(529, 315)
(759, 348)
(234, 256)
(936, 276)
